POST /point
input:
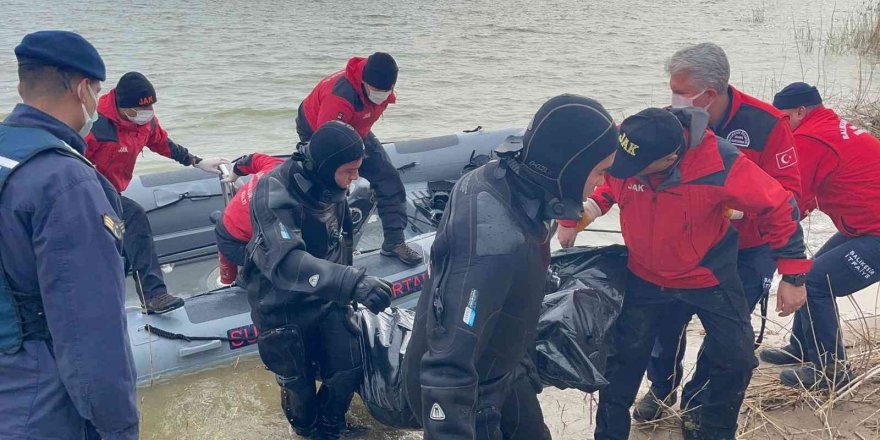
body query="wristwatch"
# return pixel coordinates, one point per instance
(795, 280)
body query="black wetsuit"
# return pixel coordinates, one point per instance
(300, 284)
(465, 366)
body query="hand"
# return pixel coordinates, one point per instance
(733, 214)
(789, 298)
(566, 236)
(591, 213)
(373, 293)
(211, 165)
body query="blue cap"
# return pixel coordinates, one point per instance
(796, 95)
(62, 49)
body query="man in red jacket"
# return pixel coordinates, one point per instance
(234, 232)
(674, 180)
(699, 77)
(358, 96)
(126, 124)
(840, 168)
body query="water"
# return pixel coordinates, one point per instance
(230, 75)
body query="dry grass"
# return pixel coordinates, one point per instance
(767, 399)
(858, 33)
(773, 410)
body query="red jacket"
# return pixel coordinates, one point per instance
(675, 228)
(115, 143)
(237, 216)
(341, 96)
(763, 135)
(840, 169)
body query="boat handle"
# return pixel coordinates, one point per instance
(189, 351)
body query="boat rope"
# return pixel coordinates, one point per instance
(181, 337)
(765, 300)
(182, 197)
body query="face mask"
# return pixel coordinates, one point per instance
(142, 117)
(378, 97)
(680, 101)
(89, 119)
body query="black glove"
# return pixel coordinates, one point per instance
(373, 293)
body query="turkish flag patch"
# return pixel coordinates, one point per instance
(786, 158)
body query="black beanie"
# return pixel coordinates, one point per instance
(134, 90)
(333, 145)
(568, 137)
(380, 71)
(796, 95)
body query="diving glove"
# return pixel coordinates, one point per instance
(373, 293)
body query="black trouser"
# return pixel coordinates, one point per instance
(727, 358)
(295, 353)
(384, 180)
(507, 407)
(521, 414)
(139, 250)
(235, 251)
(755, 267)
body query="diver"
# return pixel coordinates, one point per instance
(464, 370)
(300, 282)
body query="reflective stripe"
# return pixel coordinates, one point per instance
(6, 162)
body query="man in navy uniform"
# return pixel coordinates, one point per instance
(66, 368)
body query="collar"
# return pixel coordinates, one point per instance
(734, 100)
(27, 115)
(816, 115)
(697, 162)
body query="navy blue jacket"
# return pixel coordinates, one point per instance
(52, 228)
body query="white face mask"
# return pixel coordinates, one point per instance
(89, 119)
(681, 101)
(142, 117)
(378, 97)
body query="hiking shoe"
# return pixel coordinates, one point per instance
(298, 434)
(651, 408)
(163, 303)
(690, 426)
(692, 429)
(788, 355)
(404, 253)
(808, 377)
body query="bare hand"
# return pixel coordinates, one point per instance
(566, 236)
(211, 165)
(789, 298)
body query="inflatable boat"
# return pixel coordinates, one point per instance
(214, 326)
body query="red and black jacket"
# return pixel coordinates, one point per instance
(763, 135)
(840, 169)
(237, 216)
(341, 96)
(115, 143)
(675, 226)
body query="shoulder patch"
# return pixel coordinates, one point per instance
(750, 128)
(739, 137)
(497, 232)
(786, 158)
(116, 228)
